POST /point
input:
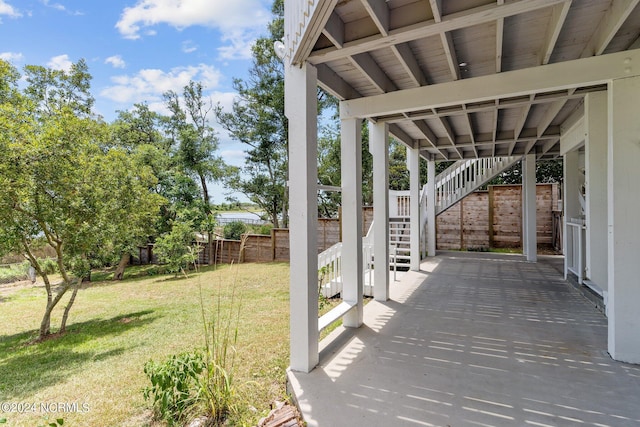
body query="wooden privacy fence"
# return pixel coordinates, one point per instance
(484, 219)
(493, 219)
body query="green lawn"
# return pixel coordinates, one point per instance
(114, 328)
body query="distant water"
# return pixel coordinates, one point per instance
(246, 217)
(240, 215)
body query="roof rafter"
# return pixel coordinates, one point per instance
(379, 13)
(408, 61)
(609, 26)
(330, 81)
(431, 138)
(578, 73)
(334, 30)
(454, 21)
(499, 40)
(372, 71)
(558, 16)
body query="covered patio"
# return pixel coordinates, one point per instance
(464, 81)
(472, 339)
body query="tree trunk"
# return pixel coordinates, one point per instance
(65, 316)
(124, 261)
(45, 325)
(205, 193)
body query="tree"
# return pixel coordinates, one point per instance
(196, 140)
(547, 171)
(257, 120)
(58, 183)
(329, 173)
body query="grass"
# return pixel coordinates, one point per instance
(13, 272)
(115, 327)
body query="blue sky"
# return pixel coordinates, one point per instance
(138, 49)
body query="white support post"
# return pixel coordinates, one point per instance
(379, 149)
(413, 164)
(596, 183)
(431, 208)
(351, 175)
(529, 240)
(623, 206)
(301, 110)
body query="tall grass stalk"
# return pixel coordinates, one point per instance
(221, 337)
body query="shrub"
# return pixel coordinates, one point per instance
(175, 248)
(234, 230)
(175, 385)
(49, 265)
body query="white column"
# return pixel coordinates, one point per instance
(351, 175)
(571, 208)
(596, 183)
(571, 181)
(301, 110)
(529, 238)
(431, 208)
(624, 232)
(379, 149)
(413, 164)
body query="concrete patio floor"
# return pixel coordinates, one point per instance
(473, 339)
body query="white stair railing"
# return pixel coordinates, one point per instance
(330, 267)
(465, 176)
(458, 181)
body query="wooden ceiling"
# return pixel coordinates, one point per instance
(373, 47)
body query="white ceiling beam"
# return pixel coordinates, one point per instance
(431, 138)
(558, 16)
(506, 137)
(486, 107)
(451, 137)
(312, 19)
(400, 135)
(372, 71)
(472, 135)
(436, 9)
(379, 13)
(548, 146)
(613, 19)
(545, 78)
(467, 18)
(522, 119)
(409, 63)
(330, 81)
(512, 145)
(529, 146)
(334, 30)
(450, 54)
(499, 40)
(549, 115)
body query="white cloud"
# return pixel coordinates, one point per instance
(239, 47)
(60, 62)
(240, 21)
(12, 57)
(56, 6)
(7, 9)
(116, 61)
(149, 84)
(188, 46)
(60, 7)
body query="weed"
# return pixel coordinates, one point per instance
(174, 385)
